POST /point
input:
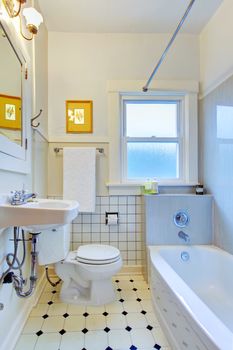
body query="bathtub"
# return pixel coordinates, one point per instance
(192, 293)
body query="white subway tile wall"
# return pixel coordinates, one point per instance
(127, 235)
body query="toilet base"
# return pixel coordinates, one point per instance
(87, 284)
(73, 294)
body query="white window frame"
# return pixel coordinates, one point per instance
(179, 139)
(185, 89)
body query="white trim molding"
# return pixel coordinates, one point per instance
(135, 86)
(14, 157)
(207, 89)
(81, 139)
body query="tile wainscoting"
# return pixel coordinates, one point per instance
(126, 236)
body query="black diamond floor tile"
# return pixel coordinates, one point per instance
(84, 330)
(39, 333)
(133, 347)
(158, 347)
(106, 329)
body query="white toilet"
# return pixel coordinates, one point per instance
(86, 273)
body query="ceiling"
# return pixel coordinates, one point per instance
(125, 16)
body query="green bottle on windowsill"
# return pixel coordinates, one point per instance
(150, 187)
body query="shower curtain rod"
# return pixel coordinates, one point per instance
(145, 88)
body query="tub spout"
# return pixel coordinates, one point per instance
(182, 235)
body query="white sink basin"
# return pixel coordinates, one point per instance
(41, 214)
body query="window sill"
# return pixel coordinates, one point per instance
(117, 189)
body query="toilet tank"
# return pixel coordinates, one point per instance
(53, 245)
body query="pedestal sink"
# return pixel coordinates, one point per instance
(38, 215)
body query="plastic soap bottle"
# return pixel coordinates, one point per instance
(148, 186)
(154, 187)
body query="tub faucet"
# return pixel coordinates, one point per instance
(182, 235)
(21, 197)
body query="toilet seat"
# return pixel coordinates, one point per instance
(97, 254)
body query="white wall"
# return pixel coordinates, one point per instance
(216, 49)
(80, 65)
(40, 101)
(41, 80)
(215, 120)
(216, 158)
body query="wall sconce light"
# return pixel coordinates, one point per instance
(33, 18)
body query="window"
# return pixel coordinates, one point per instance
(152, 134)
(152, 144)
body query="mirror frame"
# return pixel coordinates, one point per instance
(14, 157)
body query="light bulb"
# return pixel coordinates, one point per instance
(33, 19)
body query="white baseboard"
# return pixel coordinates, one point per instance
(16, 328)
(131, 270)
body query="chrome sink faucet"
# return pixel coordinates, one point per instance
(182, 235)
(21, 197)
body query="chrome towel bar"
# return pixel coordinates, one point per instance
(58, 149)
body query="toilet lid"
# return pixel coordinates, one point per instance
(97, 253)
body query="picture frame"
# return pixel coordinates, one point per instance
(10, 112)
(79, 116)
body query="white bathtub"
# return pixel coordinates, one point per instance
(193, 298)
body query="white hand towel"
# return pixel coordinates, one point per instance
(79, 176)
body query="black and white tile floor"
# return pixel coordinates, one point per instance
(127, 324)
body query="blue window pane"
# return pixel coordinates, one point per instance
(148, 159)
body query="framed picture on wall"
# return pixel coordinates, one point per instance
(79, 116)
(10, 112)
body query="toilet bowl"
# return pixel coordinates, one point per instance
(87, 274)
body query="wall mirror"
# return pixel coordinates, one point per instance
(10, 91)
(12, 99)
